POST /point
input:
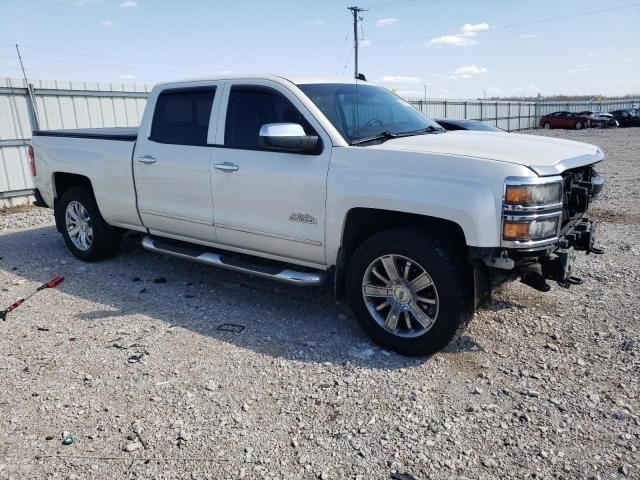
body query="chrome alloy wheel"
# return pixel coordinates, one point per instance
(400, 295)
(79, 226)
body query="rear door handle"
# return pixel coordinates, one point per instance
(226, 167)
(147, 159)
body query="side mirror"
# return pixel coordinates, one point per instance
(287, 136)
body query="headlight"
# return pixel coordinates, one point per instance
(532, 211)
(533, 195)
(530, 230)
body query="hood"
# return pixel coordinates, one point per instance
(544, 155)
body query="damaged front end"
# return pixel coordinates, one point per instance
(544, 224)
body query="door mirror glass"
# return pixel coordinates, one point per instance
(287, 136)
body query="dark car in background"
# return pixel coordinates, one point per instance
(564, 119)
(458, 124)
(627, 117)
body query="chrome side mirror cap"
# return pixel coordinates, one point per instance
(286, 136)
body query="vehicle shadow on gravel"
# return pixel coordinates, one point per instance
(304, 324)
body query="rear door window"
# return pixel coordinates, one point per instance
(181, 116)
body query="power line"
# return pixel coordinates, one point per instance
(103, 65)
(344, 45)
(70, 74)
(523, 24)
(78, 54)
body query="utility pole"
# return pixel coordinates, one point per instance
(355, 11)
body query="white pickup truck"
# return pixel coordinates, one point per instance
(309, 182)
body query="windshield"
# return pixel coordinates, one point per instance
(364, 111)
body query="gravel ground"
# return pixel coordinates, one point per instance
(126, 358)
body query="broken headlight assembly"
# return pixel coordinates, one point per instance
(532, 211)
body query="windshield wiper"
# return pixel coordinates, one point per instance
(386, 135)
(429, 129)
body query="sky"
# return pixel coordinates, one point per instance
(448, 48)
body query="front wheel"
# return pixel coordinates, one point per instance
(410, 291)
(579, 126)
(547, 125)
(85, 232)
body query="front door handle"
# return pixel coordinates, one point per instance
(147, 159)
(226, 167)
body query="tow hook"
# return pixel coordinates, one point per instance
(572, 280)
(596, 250)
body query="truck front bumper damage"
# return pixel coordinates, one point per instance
(496, 266)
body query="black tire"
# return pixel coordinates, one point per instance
(547, 125)
(106, 239)
(451, 275)
(578, 126)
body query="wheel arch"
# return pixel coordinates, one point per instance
(62, 182)
(361, 223)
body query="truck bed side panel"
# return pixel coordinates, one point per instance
(107, 163)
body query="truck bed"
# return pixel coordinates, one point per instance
(125, 134)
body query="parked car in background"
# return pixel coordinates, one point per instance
(564, 120)
(457, 124)
(595, 119)
(627, 117)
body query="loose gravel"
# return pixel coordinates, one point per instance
(124, 372)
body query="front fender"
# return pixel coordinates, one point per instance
(462, 190)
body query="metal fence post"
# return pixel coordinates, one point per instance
(481, 113)
(465, 110)
(496, 114)
(445, 109)
(509, 117)
(32, 108)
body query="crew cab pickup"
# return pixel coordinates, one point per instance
(309, 182)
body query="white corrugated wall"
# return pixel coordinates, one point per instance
(59, 104)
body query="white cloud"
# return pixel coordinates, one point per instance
(128, 4)
(398, 79)
(365, 43)
(469, 71)
(457, 40)
(581, 68)
(314, 23)
(493, 91)
(528, 35)
(386, 22)
(464, 72)
(470, 29)
(128, 77)
(109, 23)
(226, 72)
(464, 38)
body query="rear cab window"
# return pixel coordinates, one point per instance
(182, 115)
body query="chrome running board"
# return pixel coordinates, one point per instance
(235, 263)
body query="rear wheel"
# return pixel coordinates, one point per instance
(547, 125)
(410, 291)
(85, 232)
(578, 125)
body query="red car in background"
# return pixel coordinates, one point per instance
(570, 120)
